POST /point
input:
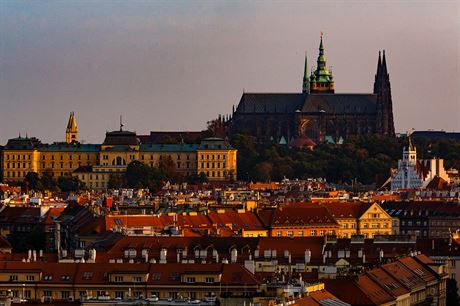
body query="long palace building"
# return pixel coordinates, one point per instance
(94, 163)
(317, 113)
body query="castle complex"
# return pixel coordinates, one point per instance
(95, 163)
(317, 113)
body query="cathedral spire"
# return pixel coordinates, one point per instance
(384, 64)
(71, 133)
(379, 64)
(324, 82)
(305, 81)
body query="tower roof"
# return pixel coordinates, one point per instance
(72, 124)
(322, 73)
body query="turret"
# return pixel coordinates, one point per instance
(71, 133)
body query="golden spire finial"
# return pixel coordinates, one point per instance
(322, 34)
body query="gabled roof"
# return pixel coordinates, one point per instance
(246, 220)
(302, 214)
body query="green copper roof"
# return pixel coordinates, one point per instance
(322, 74)
(69, 147)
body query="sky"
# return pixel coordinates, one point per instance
(174, 65)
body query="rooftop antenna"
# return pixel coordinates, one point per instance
(121, 123)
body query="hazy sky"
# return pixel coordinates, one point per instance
(173, 65)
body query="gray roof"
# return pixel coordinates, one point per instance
(291, 102)
(270, 102)
(341, 103)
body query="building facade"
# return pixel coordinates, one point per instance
(94, 163)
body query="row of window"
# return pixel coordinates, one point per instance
(61, 156)
(301, 233)
(213, 165)
(17, 157)
(212, 156)
(17, 165)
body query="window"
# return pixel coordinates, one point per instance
(119, 294)
(290, 233)
(48, 277)
(30, 278)
(47, 293)
(13, 278)
(27, 294)
(137, 279)
(321, 233)
(119, 279)
(88, 275)
(190, 280)
(156, 276)
(209, 280)
(313, 233)
(278, 234)
(65, 294)
(65, 277)
(300, 234)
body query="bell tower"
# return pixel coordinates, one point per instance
(71, 133)
(321, 80)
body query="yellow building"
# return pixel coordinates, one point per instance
(368, 219)
(94, 164)
(374, 221)
(217, 159)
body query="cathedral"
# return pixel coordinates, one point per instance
(317, 113)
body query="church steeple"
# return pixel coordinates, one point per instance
(324, 81)
(305, 81)
(71, 133)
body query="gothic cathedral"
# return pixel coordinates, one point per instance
(318, 113)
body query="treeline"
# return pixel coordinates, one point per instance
(33, 181)
(140, 175)
(367, 159)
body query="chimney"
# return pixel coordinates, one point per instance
(307, 256)
(234, 255)
(34, 255)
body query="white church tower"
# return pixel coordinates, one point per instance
(406, 177)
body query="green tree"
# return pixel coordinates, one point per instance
(69, 183)
(116, 181)
(452, 297)
(33, 181)
(48, 182)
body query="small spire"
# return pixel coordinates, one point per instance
(379, 63)
(384, 64)
(121, 123)
(305, 81)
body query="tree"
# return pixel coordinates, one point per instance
(69, 183)
(138, 175)
(116, 181)
(452, 297)
(33, 181)
(48, 182)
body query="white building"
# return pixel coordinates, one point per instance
(417, 174)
